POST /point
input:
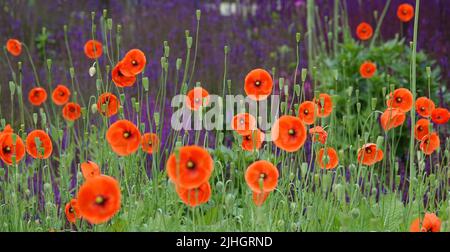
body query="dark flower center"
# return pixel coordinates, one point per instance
(71, 210)
(134, 62)
(422, 108)
(190, 165)
(399, 99)
(291, 132)
(126, 134)
(420, 128)
(257, 83)
(61, 93)
(248, 138)
(100, 200)
(305, 112)
(6, 149)
(368, 150)
(72, 109)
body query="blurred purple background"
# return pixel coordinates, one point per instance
(259, 34)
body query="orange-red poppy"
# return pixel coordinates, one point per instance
(430, 223)
(258, 84)
(11, 145)
(328, 161)
(195, 196)
(71, 111)
(150, 143)
(108, 104)
(190, 166)
(430, 143)
(37, 96)
(14, 47)
(324, 105)
(424, 106)
(253, 141)
(369, 154)
(72, 211)
(93, 49)
(41, 150)
(120, 79)
(318, 134)
(243, 123)
(262, 176)
(401, 99)
(99, 199)
(260, 198)
(392, 118)
(133, 63)
(440, 116)
(422, 129)
(307, 112)
(90, 169)
(405, 12)
(367, 70)
(196, 98)
(364, 31)
(123, 137)
(289, 133)
(61, 95)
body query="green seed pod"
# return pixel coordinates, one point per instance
(49, 64)
(374, 103)
(145, 83)
(355, 213)
(189, 42)
(12, 88)
(281, 83)
(178, 63)
(304, 74)
(198, 14)
(298, 37)
(109, 23)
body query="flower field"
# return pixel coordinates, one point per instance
(299, 116)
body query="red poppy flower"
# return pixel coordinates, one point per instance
(262, 176)
(401, 99)
(330, 161)
(243, 123)
(123, 137)
(422, 129)
(93, 49)
(190, 166)
(108, 104)
(289, 133)
(37, 96)
(72, 211)
(253, 141)
(369, 154)
(364, 31)
(99, 199)
(440, 116)
(430, 143)
(61, 95)
(90, 170)
(424, 106)
(324, 105)
(195, 196)
(133, 63)
(392, 118)
(71, 111)
(307, 112)
(121, 80)
(196, 98)
(318, 134)
(260, 198)
(11, 145)
(258, 84)
(367, 70)
(430, 223)
(14, 47)
(150, 143)
(405, 12)
(45, 144)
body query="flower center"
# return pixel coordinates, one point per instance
(150, 143)
(291, 132)
(262, 176)
(100, 200)
(399, 99)
(422, 108)
(72, 109)
(7, 149)
(258, 83)
(134, 62)
(368, 150)
(71, 210)
(190, 165)
(61, 93)
(126, 134)
(305, 112)
(197, 100)
(248, 138)
(420, 128)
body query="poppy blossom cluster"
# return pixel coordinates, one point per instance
(429, 223)
(98, 198)
(132, 64)
(190, 169)
(245, 125)
(262, 178)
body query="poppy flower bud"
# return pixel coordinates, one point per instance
(358, 107)
(178, 63)
(374, 103)
(283, 107)
(428, 69)
(281, 83)
(137, 106)
(357, 94)
(219, 186)
(316, 179)
(226, 49)
(94, 108)
(336, 74)
(92, 70)
(297, 90)
(286, 90)
(156, 117)
(109, 23)
(355, 213)
(392, 87)
(35, 118)
(380, 141)
(198, 13)
(298, 37)
(121, 109)
(49, 64)
(12, 88)
(304, 74)
(72, 72)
